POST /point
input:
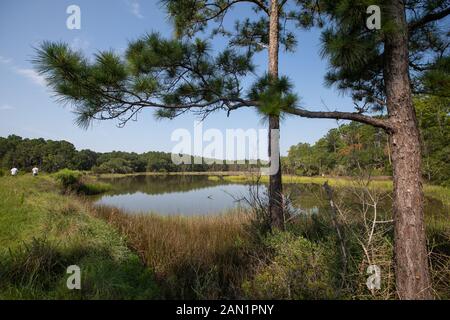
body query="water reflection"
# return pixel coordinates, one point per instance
(193, 195)
(206, 200)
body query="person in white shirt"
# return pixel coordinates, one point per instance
(35, 171)
(14, 171)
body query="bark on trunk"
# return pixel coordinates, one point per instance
(275, 184)
(411, 259)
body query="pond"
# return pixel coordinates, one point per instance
(197, 201)
(189, 195)
(200, 195)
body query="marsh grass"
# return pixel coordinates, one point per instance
(201, 257)
(438, 236)
(438, 192)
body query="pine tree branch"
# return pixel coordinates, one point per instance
(222, 10)
(354, 116)
(282, 4)
(428, 18)
(132, 107)
(261, 5)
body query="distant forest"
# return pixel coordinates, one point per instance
(51, 156)
(347, 150)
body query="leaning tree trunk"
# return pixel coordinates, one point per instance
(411, 261)
(275, 185)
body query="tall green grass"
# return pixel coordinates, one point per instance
(43, 232)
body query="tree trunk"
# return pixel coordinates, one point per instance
(275, 184)
(411, 260)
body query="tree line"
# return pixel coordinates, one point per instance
(52, 156)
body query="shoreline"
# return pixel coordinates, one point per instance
(438, 192)
(228, 173)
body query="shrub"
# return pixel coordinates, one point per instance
(74, 181)
(298, 269)
(70, 180)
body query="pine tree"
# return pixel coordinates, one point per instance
(383, 69)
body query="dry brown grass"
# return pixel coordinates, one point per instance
(194, 257)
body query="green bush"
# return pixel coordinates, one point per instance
(298, 269)
(2, 172)
(70, 180)
(74, 181)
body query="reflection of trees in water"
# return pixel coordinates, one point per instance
(307, 196)
(306, 199)
(311, 199)
(161, 184)
(301, 196)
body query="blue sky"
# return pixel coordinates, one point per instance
(29, 109)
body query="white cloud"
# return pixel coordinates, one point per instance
(79, 44)
(135, 8)
(5, 107)
(27, 73)
(32, 75)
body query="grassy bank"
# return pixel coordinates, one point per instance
(42, 232)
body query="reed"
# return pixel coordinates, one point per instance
(193, 257)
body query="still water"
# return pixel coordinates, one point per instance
(188, 195)
(200, 195)
(197, 201)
